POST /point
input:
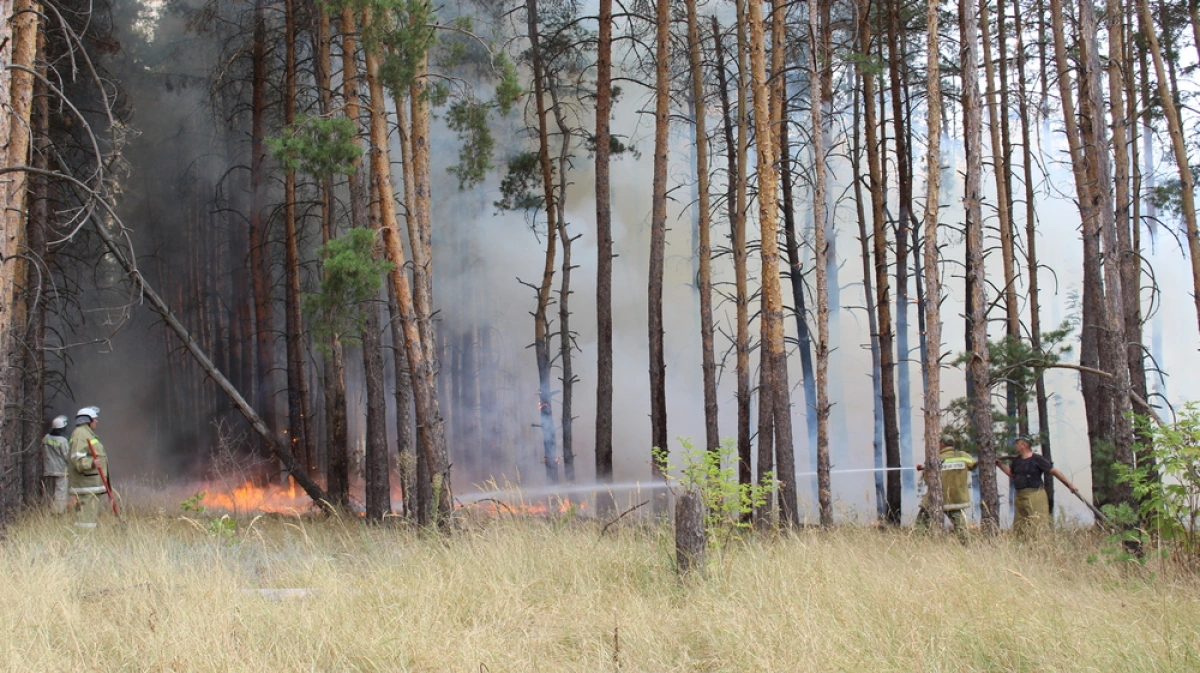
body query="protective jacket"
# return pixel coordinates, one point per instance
(956, 487)
(84, 477)
(55, 450)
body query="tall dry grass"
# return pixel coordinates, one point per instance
(521, 594)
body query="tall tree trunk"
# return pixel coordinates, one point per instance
(406, 458)
(1031, 258)
(785, 456)
(708, 360)
(333, 373)
(604, 257)
(299, 418)
(541, 320)
(819, 63)
(1114, 354)
(337, 453)
(796, 276)
(566, 338)
(376, 472)
(887, 362)
(736, 203)
(868, 285)
(16, 456)
(420, 358)
(658, 240)
(260, 259)
(932, 360)
(981, 406)
(1000, 170)
(901, 231)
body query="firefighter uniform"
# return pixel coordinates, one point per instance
(85, 481)
(55, 451)
(956, 490)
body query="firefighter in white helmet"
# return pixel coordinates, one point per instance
(87, 460)
(55, 450)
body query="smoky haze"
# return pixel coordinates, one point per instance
(159, 414)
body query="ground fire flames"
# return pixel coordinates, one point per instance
(250, 497)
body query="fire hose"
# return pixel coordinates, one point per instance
(104, 479)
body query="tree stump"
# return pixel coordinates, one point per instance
(691, 541)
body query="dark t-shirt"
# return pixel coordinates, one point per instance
(1027, 472)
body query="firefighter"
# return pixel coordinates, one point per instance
(55, 449)
(1030, 472)
(956, 492)
(87, 484)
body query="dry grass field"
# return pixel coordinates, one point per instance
(522, 594)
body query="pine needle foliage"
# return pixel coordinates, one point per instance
(319, 146)
(353, 275)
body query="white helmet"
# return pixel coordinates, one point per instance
(59, 422)
(90, 412)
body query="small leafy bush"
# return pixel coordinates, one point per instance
(714, 474)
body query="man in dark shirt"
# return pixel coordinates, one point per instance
(1030, 472)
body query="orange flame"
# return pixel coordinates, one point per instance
(249, 497)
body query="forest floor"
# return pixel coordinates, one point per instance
(188, 591)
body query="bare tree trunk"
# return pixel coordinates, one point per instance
(740, 271)
(406, 450)
(1114, 354)
(604, 256)
(541, 321)
(708, 360)
(869, 293)
(376, 472)
(658, 240)
(260, 259)
(15, 269)
(932, 362)
(735, 202)
(887, 362)
(333, 381)
(981, 406)
(299, 418)
(901, 233)
(566, 338)
(1000, 170)
(1032, 291)
(820, 61)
